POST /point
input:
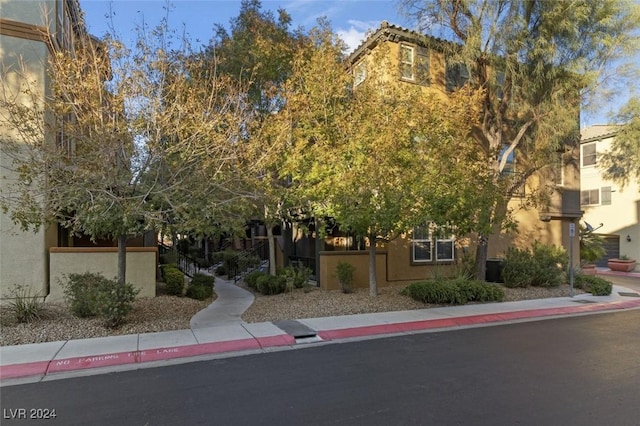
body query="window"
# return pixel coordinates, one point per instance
(558, 170)
(422, 66)
(605, 195)
(406, 62)
(589, 154)
(589, 197)
(430, 239)
(457, 74)
(510, 165)
(359, 73)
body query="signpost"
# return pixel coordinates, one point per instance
(572, 234)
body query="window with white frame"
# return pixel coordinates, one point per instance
(589, 155)
(589, 197)
(429, 242)
(406, 62)
(359, 73)
(605, 195)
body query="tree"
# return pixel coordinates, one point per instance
(622, 162)
(258, 52)
(536, 62)
(369, 157)
(124, 139)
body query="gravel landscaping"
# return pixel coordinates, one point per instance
(165, 313)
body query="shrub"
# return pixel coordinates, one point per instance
(479, 291)
(270, 284)
(24, 306)
(344, 272)
(174, 278)
(200, 287)
(597, 286)
(82, 293)
(296, 276)
(221, 270)
(199, 292)
(454, 291)
(115, 301)
(436, 291)
(166, 258)
(91, 294)
(543, 266)
(251, 279)
(247, 262)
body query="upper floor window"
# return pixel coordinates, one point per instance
(407, 58)
(591, 197)
(457, 74)
(510, 165)
(359, 73)
(558, 170)
(589, 155)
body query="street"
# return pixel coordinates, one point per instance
(580, 370)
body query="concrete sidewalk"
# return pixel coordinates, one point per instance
(45, 361)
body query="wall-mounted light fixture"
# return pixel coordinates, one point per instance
(629, 238)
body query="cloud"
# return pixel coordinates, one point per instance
(356, 32)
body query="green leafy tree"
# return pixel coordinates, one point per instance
(368, 156)
(124, 140)
(258, 52)
(536, 62)
(622, 162)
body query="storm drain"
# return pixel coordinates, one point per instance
(299, 331)
(628, 294)
(584, 301)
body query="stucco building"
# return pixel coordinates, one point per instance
(611, 209)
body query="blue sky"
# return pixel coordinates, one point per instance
(349, 18)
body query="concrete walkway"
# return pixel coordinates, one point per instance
(227, 309)
(218, 331)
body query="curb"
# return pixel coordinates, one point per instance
(44, 368)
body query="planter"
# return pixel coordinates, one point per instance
(621, 265)
(588, 269)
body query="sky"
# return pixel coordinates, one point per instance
(350, 19)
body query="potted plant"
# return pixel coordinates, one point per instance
(622, 264)
(344, 271)
(591, 250)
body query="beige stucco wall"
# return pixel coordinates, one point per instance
(141, 267)
(622, 216)
(360, 260)
(23, 255)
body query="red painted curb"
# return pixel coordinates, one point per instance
(157, 354)
(23, 370)
(372, 330)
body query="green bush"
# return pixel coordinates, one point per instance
(202, 279)
(115, 301)
(436, 291)
(82, 293)
(247, 262)
(454, 291)
(199, 292)
(221, 270)
(24, 306)
(91, 294)
(166, 258)
(479, 291)
(174, 278)
(344, 272)
(269, 284)
(200, 287)
(597, 286)
(296, 276)
(544, 266)
(251, 279)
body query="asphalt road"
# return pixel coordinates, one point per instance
(582, 370)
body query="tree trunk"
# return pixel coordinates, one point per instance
(122, 259)
(206, 249)
(373, 282)
(481, 257)
(272, 250)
